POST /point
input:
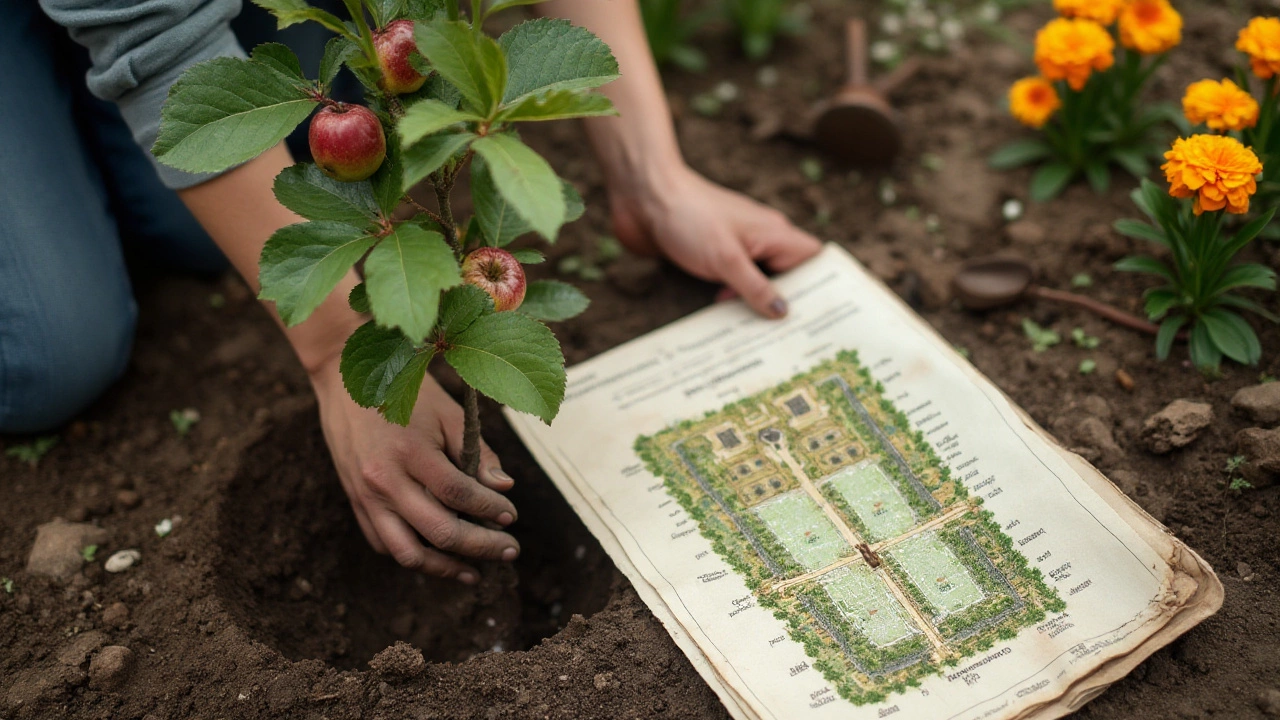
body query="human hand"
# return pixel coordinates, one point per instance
(712, 232)
(403, 482)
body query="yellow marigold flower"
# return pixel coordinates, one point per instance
(1260, 40)
(1150, 26)
(1220, 105)
(1216, 170)
(1033, 101)
(1071, 49)
(1100, 11)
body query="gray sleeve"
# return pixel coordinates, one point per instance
(139, 48)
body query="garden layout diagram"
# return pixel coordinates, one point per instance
(842, 535)
(847, 525)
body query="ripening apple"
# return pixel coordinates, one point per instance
(394, 44)
(498, 273)
(347, 141)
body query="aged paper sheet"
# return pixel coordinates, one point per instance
(835, 515)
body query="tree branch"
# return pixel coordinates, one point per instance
(471, 432)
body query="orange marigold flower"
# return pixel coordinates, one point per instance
(1220, 105)
(1260, 40)
(1150, 26)
(1071, 49)
(1033, 101)
(1216, 170)
(1101, 11)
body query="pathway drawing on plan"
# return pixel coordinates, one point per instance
(844, 522)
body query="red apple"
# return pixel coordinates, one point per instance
(498, 273)
(394, 44)
(347, 142)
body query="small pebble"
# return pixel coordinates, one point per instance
(110, 667)
(128, 499)
(1011, 210)
(1124, 379)
(122, 560)
(164, 527)
(116, 615)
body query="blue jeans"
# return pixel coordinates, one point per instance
(75, 192)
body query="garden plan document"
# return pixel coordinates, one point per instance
(836, 516)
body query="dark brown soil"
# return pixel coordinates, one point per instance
(264, 602)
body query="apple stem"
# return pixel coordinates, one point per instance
(471, 432)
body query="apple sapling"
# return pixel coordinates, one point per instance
(395, 45)
(347, 141)
(442, 96)
(498, 273)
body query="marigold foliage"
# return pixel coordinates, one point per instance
(1220, 105)
(1217, 170)
(1150, 26)
(1100, 11)
(1260, 40)
(1033, 101)
(1071, 49)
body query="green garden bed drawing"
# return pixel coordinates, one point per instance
(845, 523)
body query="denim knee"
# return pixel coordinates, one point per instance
(58, 358)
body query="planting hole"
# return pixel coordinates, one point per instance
(296, 573)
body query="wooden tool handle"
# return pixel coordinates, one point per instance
(856, 30)
(1100, 309)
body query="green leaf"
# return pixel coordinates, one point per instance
(358, 299)
(1204, 354)
(301, 263)
(307, 191)
(1144, 264)
(427, 155)
(1167, 333)
(498, 220)
(1050, 180)
(1019, 153)
(1099, 176)
(427, 117)
(528, 256)
(1160, 301)
(1250, 231)
(405, 275)
(371, 359)
(513, 359)
(279, 57)
(461, 306)
(499, 5)
(336, 52)
(526, 181)
(424, 10)
(1041, 338)
(1232, 335)
(471, 62)
(402, 393)
(553, 301)
(1236, 301)
(1141, 231)
(1134, 161)
(292, 12)
(385, 11)
(1248, 275)
(388, 181)
(557, 105)
(546, 54)
(225, 111)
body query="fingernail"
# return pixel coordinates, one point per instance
(500, 476)
(467, 578)
(778, 308)
(509, 554)
(505, 519)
